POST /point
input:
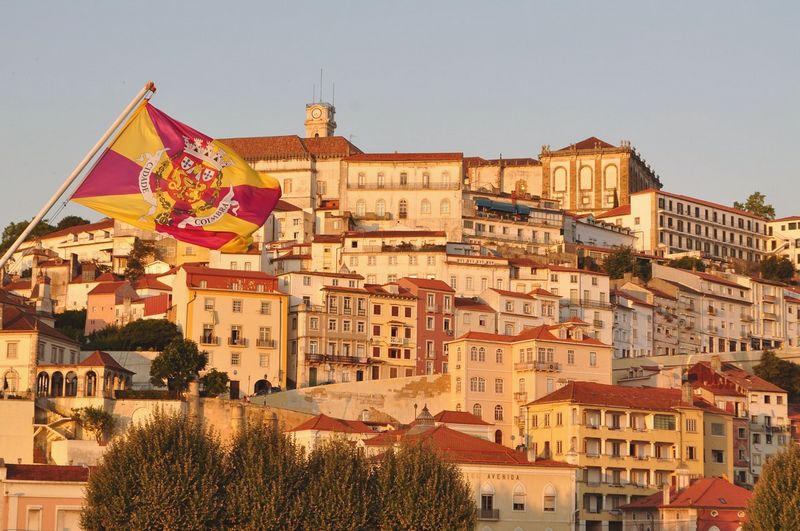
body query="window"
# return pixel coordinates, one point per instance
(498, 412)
(208, 304)
(287, 186)
(691, 453)
(263, 360)
(741, 434)
(476, 410)
(549, 499)
(718, 429)
(235, 359)
(718, 456)
(425, 207)
(237, 306)
(11, 351)
(266, 308)
(691, 425)
(376, 309)
(519, 498)
(593, 359)
(477, 384)
(663, 422)
(429, 323)
(498, 356)
(498, 385)
(313, 323)
(380, 207)
(570, 357)
(444, 207)
(361, 208)
(306, 280)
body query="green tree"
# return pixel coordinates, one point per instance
(215, 382)
(756, 204)
(142, 334)
(71, 221)
(420, 490)
(624, 260)
(177, 364)
(342, 485)
(689, 262)
(775, 505)
(783, 373)
(14, 229)
(142, 250)
(776, 268)
(96, 420)
(168, 473)
(72, 323)
(267, 490)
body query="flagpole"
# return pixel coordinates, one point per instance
(149, 87)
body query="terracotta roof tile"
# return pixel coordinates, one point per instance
(706, 493)
(514, 294)
(59, 473)
(104, 288)
(459, 417)
(395, 234)
(467, 303)
(426, 283)
(323, 422)
(405, 157)
(589, 143)
(98, 358)
(622, 210)
(103, 224)
(702, 202)
(16, 319)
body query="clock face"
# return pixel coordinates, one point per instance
(316, 113)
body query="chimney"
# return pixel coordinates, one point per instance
(716, 363)
(665, 495)
(686, 393)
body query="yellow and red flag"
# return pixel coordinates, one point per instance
(162, 175)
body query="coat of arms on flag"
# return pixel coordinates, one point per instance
(162, 175)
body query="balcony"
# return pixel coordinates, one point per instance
(586, 303)
(267, 343)
(746, 318)
(489, 514)
(402, 186)
(209, 340)
(332, 358)
(545, 366)
(521, 396)
(237, 342)
(597, 323)
(770, 316)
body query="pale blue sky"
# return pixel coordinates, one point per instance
(707, 91)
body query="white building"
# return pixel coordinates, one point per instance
(784, 238)
(633, 326)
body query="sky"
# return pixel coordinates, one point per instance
(706, 91)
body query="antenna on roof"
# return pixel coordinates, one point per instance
(314, 95)
(320, 85)
(333, 98)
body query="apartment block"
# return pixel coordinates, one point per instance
(435, 322)
(392, 331)
(633, 325)
(628, 442)
(784, 238)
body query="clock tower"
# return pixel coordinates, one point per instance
(319, 120)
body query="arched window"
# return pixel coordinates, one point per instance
(473, 354)
(521, 187)
(90, 387)
(476, 410)
(380, 207)
(498, 355)
(458, 406)
(458, 385)
(498, 412)
(585, 178)
(361, 207)
(482, 354)
(444, 207)
(560, 180)
(549, 499)
(519, 497)
(43, 384)
(477, 384)
(71, 387)
(522, 385)
(425, 208)
(57, 384)
(287, 186)
(403, 209)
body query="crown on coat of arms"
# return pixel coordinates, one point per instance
(207, 152)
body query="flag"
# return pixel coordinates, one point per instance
(162, 175)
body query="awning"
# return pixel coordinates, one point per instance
(483, 202)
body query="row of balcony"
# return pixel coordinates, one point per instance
(586, 303)
(404, 186)
(545, 366)
(237, 341)
(333, 358)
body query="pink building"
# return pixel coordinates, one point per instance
(36, 497)
(102, 301)
(435, 321)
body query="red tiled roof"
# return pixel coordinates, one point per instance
(59, 473)
(77, 229)
(426, 283)
(467, 303)
(486, 336)
(659, 293)
(459, 447)
(520, 161)
(459, 417)
(98, 358)
(702, 202)
(632, 298)
(706, 493)
(589, 143)
(328, 238)
(344, 288)
(323, 422)
(622, 210)
(405, 157)
(719, 280)
(742, 378)
(151, 282)
(647, 398)
(514, 294)
(326, 274)
(225, 278)
(289, 146)
(395, 234)
(21, 284)
(787, 218)
(553, 267)
(793, 300)
(576, 320)
(543, 292)
(285, 206)
(105, 288)
(15, 319)
(539, 333)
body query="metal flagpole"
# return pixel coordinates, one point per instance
(149, 87)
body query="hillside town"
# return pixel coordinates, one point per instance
(576, 336)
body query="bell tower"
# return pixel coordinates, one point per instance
(319, 120)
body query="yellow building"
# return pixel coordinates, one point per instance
(392, 331)
(240, 319)
(628, 442)
(496, 375)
